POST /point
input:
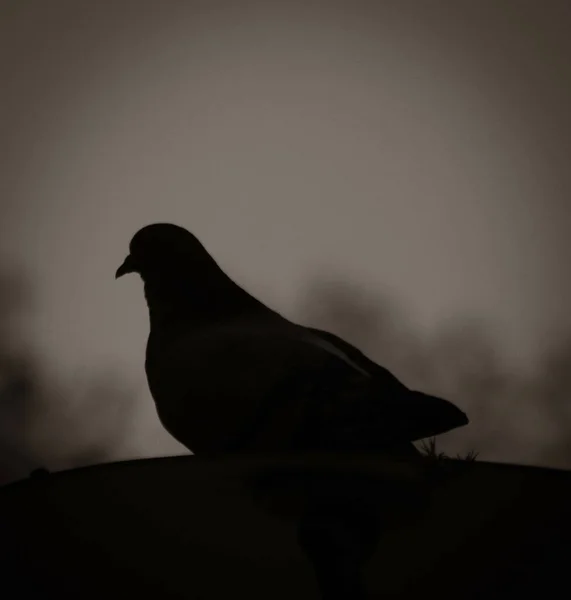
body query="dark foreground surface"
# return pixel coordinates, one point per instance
(184, 527)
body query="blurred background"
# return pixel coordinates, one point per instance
(395, 171)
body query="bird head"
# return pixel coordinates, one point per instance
(161, 248)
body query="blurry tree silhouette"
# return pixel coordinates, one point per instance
(42, 422)
(554, 385)
(512, 418)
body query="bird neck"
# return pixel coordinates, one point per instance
(175, 299)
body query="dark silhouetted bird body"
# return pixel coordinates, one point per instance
(229, 374)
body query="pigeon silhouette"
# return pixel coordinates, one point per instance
(229, 374)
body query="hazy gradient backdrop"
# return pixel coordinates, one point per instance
(397, 172)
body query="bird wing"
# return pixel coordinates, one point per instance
(426, 415)
(275, 387)
(356, 357)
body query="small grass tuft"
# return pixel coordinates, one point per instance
(428, 447)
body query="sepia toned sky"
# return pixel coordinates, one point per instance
(396, 172)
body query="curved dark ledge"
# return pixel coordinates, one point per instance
(188, 527)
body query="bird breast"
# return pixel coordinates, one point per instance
(207, 386)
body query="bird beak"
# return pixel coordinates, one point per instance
(128, 266)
